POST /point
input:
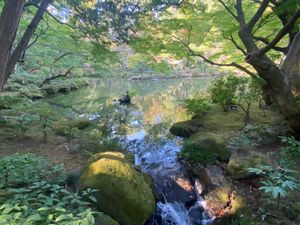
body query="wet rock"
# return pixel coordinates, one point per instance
(186, 128)
(123, 192)
(177, 188)
(205, 148)
(195, 214)
(238, 165)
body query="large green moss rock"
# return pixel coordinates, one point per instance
(63, 127)
(102, 219)
(238, 166)
(186, 128)
(123, 192)
(205, 148)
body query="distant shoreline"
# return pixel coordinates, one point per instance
(172, 77)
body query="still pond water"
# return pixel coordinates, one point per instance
(143, 128)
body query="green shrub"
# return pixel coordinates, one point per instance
(276, 181)
(292, 146)
(13, 100)
(223, 90)
(197, 106)
(43, 203)
(249, 91)
(205, 148)
(19, 170)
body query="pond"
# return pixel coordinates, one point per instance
(143, 128)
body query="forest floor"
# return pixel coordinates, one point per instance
(56, 149)
(254, 145)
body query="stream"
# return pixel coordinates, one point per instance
(143, 128)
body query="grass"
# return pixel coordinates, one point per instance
(227, 124)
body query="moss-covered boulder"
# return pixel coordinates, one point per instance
(238, 166)
(50, 89)
(64, 127)
(33, 94)
(123, 192)
(9, 100)
(186, 128)
(102, 219)
(205, 148)
(64, 88)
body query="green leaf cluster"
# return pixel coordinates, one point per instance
(24, 169)
(292, 145)
(43, 203)
(277, 181)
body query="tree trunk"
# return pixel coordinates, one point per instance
(9, 23)
(267, 94)
(291, 65)
(280, 89)
(280, 86)
(23, 43)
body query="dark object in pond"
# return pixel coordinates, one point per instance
(125, 99)
(233, 107)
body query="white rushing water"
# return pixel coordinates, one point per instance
(159, 159)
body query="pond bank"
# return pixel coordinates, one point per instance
(232, 193)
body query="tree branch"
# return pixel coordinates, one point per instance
(281, 34)
(237, 45)
(51, 15)
(61, 56)
(267, 42)
(48, 79)
(228, 9)
(258, 14)
(240, 12)
(233, 64)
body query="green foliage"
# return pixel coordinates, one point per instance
(292, 146)
(45, 117)
(18, 125)
(197, 106)
(249, 91)
(205, 148)
(44, 203)
(10, 101)
(223, 90)
(254, 135)
(133, 93)
(27, 168)
(277, 181)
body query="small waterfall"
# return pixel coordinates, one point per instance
(159, 159)
(170, 214)
(177, 213)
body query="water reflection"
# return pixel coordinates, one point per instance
(143, 128)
